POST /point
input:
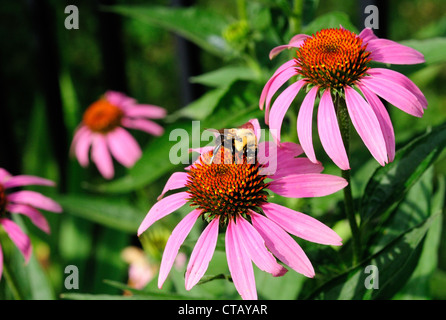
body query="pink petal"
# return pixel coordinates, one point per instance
(255, 247)
(81, 145)
(123, 147)
(162, 208)
(329, 132)
(384, 120)
(367, 34)
(177, 180)
(143, 125)
(101, 156)
(401, 80)
(146, 111)
(20, 239)
(119, 99)
(366, 124)
(295, 42)
(34, 199)
(301, 225)
(388, 51)
(267, 88)
(305, 123)
(4, 175)
(281, 106)
(24, 180)
(255, 126)
(282, 245)
(292, 166)
(202, 254)
(397, 95)
(174, 243)
(240, 265)
(33, 214)
(307, 185)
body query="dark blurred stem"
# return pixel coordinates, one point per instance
(344, 126)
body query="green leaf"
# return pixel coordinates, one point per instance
(225, 76)
(108, 212)
(433, 49)
(390, 183)
(203, 27)
(330, 20)
(394, 265)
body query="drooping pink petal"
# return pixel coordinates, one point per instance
(396, 94)
(280, 107)
(33, 214)
(366, 124)
(20, 239)
(305, 124)
(123, 147)
(174, 243)
(146, 111)
(81, 145)
(143, 125)
(255, 126)
(292, 166)
(25, 180)
(254, 245)
(202, 254)
(388, 51)
(240, 265)
(384, 120)
(282, 245)
(329, 132)
(177, 180)
(101, 156)
(295, 42)
(267, 88)
(162, 208)
(307, 185)
(34, 199)
(301, 225)
(401, 80)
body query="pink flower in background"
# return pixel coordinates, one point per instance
(23, 202)
(102, 130)
(234, 196)
(334, 64)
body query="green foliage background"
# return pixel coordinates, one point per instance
(401, 205)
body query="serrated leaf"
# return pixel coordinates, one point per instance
(390, 183)
(394, 264)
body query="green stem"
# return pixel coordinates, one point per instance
(344, 126)
(296, 16)
(11, 284)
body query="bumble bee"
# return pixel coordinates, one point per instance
(241, 141)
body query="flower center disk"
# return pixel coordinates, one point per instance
(333, 58)
(102, 116)
(225, 190)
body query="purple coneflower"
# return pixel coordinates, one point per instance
(23, 202)
(102, 130)
(234, 196)
(334, 64)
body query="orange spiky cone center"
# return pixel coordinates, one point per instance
(102, 116)
(224, 190)
(333, 58)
